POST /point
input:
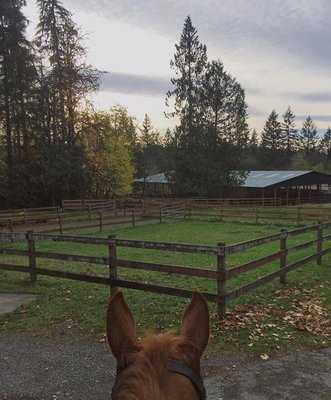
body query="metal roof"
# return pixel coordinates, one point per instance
(264, 179)
(157, 178)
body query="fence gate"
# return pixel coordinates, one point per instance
(171, 211)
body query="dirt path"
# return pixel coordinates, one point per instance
(62, 368)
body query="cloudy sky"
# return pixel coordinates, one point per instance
(279, 51)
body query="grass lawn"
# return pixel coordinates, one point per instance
(273, 317)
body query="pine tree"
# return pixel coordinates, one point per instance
(238, 127)
(272, 136)
(206, 100)
(253, 140)
(308, 138)
(67, 77)
(217, 91)
(326, 143)
(290, 134)
(189, 65)
(325, 149)
(273, 143)
(148, 135)
(17, 78)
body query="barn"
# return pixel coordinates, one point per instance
(288, 187)
(292, 187)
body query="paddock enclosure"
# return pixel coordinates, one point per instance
(78, 215)
(222, 272)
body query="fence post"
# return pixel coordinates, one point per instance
(11, 229)
(319, 242)
(32, 256)
(60, 223)
(299, 215)
(100, 221)
(221, 213)
(112, 265)
(283, 247)
(160, 214)
(133, 218)
(221, 280)
(257, 216)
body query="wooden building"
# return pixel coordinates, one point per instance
(286, 187)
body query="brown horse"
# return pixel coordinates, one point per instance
(158, 367)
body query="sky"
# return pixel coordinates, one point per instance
(278, 50)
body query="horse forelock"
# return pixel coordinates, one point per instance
(159, 349)
(149, 377)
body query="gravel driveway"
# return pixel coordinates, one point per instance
(66, 368)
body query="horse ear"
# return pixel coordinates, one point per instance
(121, 328)
(195, 323)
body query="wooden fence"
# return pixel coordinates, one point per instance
(220, 275)
(297, 214)
(170, 211)
(62, 222)
(88, 205)
(53, 220)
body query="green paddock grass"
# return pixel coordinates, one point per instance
(72, 307)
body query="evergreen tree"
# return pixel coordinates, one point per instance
(67, 77)
(238, 127)
(272, 137)
(189, 65)
(148, 135)
(17, 77)
(309, 139)
(273, 154)
(253, 140)
(326, 143)
(325, 149)
(217, 96)
(290, 131)
(290, 134)
(206, 98)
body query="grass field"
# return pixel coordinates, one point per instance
(270, 318)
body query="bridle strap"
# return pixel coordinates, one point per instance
(183, 369)
(179, 368)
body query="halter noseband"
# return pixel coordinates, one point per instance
(179, 368)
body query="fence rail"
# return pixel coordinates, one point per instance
(220, 275)
(297, 214)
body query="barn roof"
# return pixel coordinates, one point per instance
(157, 178)
(265, 179)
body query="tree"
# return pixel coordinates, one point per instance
(68, 78)
(325, 149)
(123, 126)
(272, 137)
(308, 139)
(189, 65)
(205, 100)
(149, 154)
(326, 143)
(109, 159)
(238, 127)
(17, 77)
(273, 143)
(147, 134)
(290, 133)
(217, 91)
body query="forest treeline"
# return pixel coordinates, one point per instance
(55, 145)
